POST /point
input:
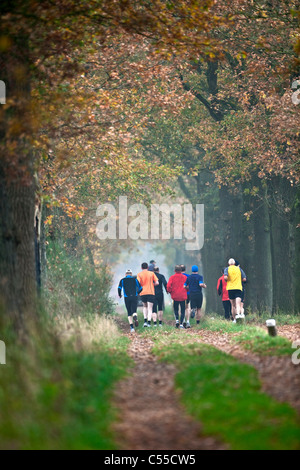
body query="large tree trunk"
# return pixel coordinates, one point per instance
(17, 191)
(263, 257)
(282, 247)
(297, 252)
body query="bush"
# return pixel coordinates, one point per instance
(74, 285)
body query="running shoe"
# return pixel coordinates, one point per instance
(188, 325)
(145, 324)
(131, 330)
(181, 326)
(136, 322)
(177, 324)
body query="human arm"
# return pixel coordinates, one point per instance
(244, 278)
(201, 283)
(120, 288)
(138, 287)
(169, 286)
(165, 283)
(219, 286)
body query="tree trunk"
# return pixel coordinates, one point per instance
(17, 191)
(297, 252)
(263, 257)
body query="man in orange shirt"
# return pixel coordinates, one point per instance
(147, 280)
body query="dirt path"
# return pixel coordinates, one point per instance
(151, 417)
(280, 378)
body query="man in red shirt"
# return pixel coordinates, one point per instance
(178, 293)
(222, 290)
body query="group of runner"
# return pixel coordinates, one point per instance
(185, 290)
(149, 284)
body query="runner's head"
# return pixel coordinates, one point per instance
(237, 263)
(129, 272)
(178, 268)
(151, 267)
(156, 269)
(231, 262)
(183, 268)
(195, 269)
(153, 262)
(144, 265)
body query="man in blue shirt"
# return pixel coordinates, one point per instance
(194, 284)
(131, 288)
(187, 302)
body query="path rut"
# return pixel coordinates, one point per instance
(151, 417)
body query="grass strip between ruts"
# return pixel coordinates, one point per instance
(225, 395)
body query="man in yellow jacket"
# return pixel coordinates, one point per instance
(234, 276)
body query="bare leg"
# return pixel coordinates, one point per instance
(145, 311)
(150, 308)
(238, 301)
(187, 313)
(160, 315)
(199, 314)
(233, 308)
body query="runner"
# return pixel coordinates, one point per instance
(131, 288)
(195, 284)
(234, 276)
(159, 297)
(147, 280)
(178, 293)
(187, 302)
(243, 292)
(222, 290)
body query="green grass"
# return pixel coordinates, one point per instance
(250, 337)
(280, 317)
(259, 342)
(225, 395)
(54, 397)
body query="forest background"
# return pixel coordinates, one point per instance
(161, 101)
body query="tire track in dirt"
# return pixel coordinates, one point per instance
(150, 415)
(279, 377)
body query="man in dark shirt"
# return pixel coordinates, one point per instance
(194, 284)
(158, 306)
(131, 288)
(187, 302)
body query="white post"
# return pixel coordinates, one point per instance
(2, 353)
(2, 92)
(271, 325)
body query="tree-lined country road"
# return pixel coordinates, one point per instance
(112, 111)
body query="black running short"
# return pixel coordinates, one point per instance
(196, 299)
(158, 305)
(235, 293)
(148, 298)
(131, 305)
